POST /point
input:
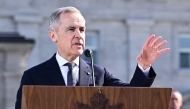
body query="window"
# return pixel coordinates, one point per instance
(184, 51)
(92, 44)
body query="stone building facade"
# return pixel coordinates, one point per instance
(116, 32)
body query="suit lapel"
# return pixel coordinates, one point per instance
(84, 73)
(54, 72)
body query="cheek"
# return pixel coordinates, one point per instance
(68, 41)
(83, 38)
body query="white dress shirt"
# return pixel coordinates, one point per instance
(64, 69)
(146, 71)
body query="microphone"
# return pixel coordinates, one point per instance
(88, 53)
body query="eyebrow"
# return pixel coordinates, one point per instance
(71, 27)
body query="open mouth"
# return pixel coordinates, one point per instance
(79, 44)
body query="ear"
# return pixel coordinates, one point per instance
(53, 35)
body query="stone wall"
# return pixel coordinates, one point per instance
(122, 26)
(14, 52)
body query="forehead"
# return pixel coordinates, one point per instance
(176, 95)
(72, 18)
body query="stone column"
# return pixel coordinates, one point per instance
(28, 25)
(138, 30)
(2, 61)
(14, 52)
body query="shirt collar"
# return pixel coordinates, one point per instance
(61, 61)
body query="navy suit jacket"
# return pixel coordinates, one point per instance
(49, 73)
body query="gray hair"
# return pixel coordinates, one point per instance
(54, 18)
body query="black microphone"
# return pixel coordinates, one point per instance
(88, 53)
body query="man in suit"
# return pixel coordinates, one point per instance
(176, 100)
(67, 30)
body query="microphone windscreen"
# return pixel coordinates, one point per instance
(87, 52)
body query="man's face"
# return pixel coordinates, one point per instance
(70, 37)
(175, 101)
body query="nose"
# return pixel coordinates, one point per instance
(79, 34)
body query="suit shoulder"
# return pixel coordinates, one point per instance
(96, 66)
(47, 64)
(37, 67)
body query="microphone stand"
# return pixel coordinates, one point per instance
(92, 66)
(88, 53)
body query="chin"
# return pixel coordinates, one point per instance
(79, 52)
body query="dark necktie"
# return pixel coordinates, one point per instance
(71, 77)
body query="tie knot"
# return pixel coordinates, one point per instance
(70, 65)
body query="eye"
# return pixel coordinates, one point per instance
(71, 29)
(82, 30)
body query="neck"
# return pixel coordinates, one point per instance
(69, 58)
